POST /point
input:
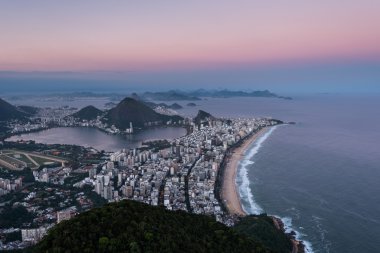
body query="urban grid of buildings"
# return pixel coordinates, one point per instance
(180, 177)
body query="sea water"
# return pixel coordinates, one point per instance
(322, 175)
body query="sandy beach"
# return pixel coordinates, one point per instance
(230, 193)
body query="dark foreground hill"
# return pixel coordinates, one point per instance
(261, 228)
(131, 110)
(130, 226)
(10, 112)
(88, 113)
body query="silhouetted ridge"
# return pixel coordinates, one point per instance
(10, 112)
(31, 110)
(88, 113)
(135, 96)
(131, 110)
(203, 116)
(175, 106)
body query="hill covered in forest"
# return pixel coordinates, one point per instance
(130, 226)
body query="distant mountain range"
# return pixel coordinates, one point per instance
(131, 110)
(88, 113)
(178, 95)
(175, 106)
(10, 112)
(228, 93)
(168, 96)
(153, 105)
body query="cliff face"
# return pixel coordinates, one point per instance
(88, 113)
(131, 110)
(10, 112)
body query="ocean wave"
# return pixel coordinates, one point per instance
(299, 236)
(245, 191)
(242, 179)
(322, 232)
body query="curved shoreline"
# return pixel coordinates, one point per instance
(230, 193)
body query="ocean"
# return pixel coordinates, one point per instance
(321, 175)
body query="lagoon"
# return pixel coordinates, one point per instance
(92, 137)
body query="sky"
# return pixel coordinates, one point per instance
(285, 45)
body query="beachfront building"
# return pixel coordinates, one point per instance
(181, 177)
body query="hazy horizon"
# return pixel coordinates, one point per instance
(286, 47)
(337, 77)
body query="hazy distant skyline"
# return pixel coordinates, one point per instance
(281, 45)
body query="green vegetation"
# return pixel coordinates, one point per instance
(14, 216)
(3, 131)
(11, 237)
(130, 226)
(26, 174)
(261, 228)
(11, 160)
(18, 159)
(75, 178)
(40, 160)
(156, 145)
(96, 199)
(26, 160)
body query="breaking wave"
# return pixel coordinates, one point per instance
(243, 184)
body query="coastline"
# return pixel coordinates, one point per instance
(230, 194)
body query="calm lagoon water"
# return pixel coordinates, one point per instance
(91, 137)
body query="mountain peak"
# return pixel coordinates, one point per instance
(10, 112)
(202, 116)
(88, 113)
(130, 110)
